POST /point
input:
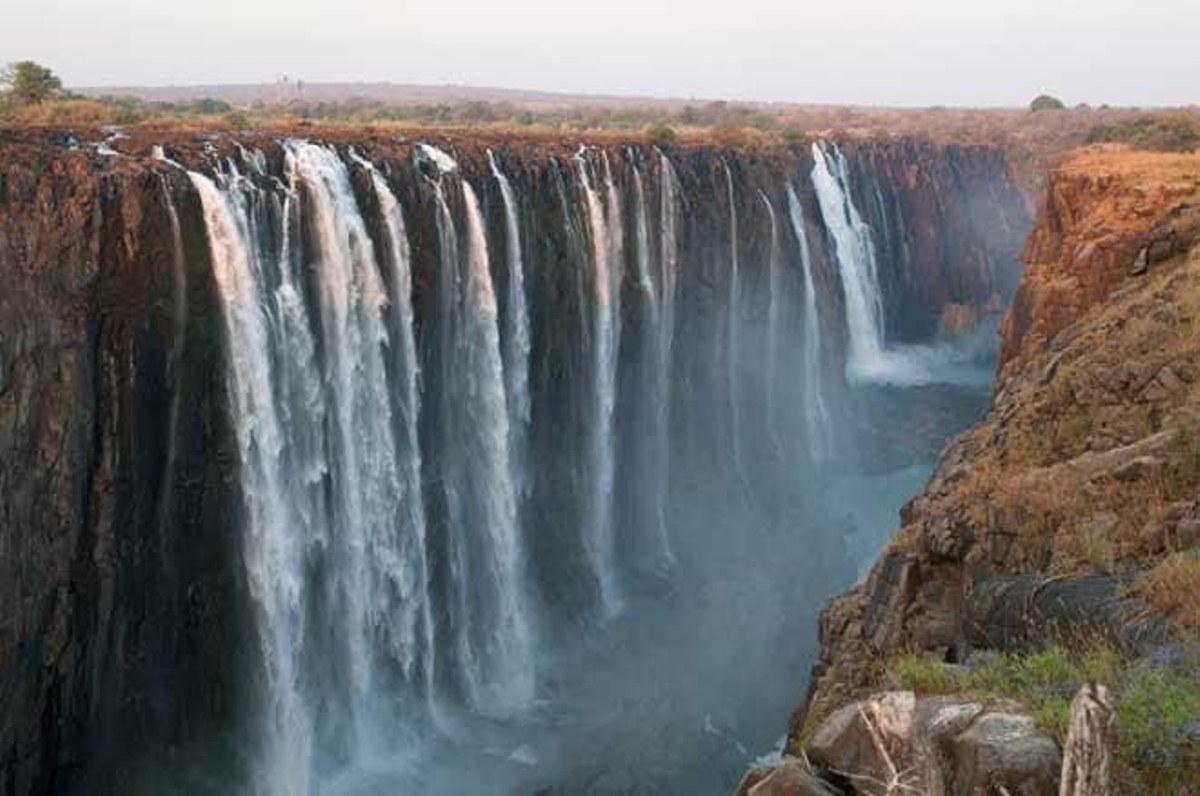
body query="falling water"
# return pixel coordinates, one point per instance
(856, 264)
(488, 607)
(734, 330)
(516, 337)
(274, 550)
(651, 439)
(179, 314)
(642, 231)
(774, 300)
(668, 272)
(816, 416)
(598, 533)
(414, 620)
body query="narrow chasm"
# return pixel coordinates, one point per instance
(463, 465)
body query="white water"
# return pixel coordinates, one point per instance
(414, 646)
(653, 439)
(642, 232)
(774, 302)
(276, 534)
(870, 360)
(516, 337)
(598, 531)
(488, 608)
(816, 415)
(734, 332)
(668, 263)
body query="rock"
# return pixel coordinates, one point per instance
(1141, 263)
(947, 541)
(1004, 750)
(788, 777)
(1138, 469)
(1021, 613)
(937, 746)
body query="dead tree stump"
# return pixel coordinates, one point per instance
(1087, 758)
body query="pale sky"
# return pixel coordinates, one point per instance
(882, 52)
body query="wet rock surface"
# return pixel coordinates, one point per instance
(123, 621)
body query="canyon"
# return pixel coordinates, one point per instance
(332, 461)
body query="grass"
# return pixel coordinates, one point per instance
(1158, 710)
(1174, 588)
(1183, 476)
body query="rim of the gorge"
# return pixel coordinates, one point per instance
(274, 512)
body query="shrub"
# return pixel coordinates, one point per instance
(661, 134)
(1045, 102)
(1160, 133)
(29, 82)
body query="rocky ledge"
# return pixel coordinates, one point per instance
(1056, 542)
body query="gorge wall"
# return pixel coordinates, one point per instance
(1050, 523)
(318, 445)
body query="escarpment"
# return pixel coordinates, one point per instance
(1049, 528)
(658, 300)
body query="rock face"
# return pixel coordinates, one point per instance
(1106, 215)
(118, 570)
(1038, 522)
(896, 742)
(123, 605)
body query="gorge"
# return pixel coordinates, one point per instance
(331, 463)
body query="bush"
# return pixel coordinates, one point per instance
(661, 134)
(30, 83)
(1165, 133)
(794, 138)
(1045, 102)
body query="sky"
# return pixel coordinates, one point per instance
(869, 52)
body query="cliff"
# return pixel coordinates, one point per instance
(126, 627)
(1066, 520)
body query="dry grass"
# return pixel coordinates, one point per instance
(1174, 588)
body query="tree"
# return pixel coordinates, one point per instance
(1044, 102)
(29, 83)
(660, 135)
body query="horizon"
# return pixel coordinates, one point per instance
(931, 53)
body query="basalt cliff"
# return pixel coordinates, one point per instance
(1056, 542)
(222, 361)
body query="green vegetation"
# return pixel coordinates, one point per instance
(661, 134)
(29, 83)
(1157, 708)
(1045, 102)
(1159, 133)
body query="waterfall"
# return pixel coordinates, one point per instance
(774, 301)
(734, 331)
(642, 233)
(654, 389)
(516, 337)
(668, 272)
(488, 607)
(367, 568)
(606, 330)
(856, 264)
(277, 533)
(179, 315)
(816, 416)
(414, 645)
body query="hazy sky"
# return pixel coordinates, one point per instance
(899, 52)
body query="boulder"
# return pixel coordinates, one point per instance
(1004, 750)
(789, 777)
(896, 742)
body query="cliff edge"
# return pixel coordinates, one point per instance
(1056, 542)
